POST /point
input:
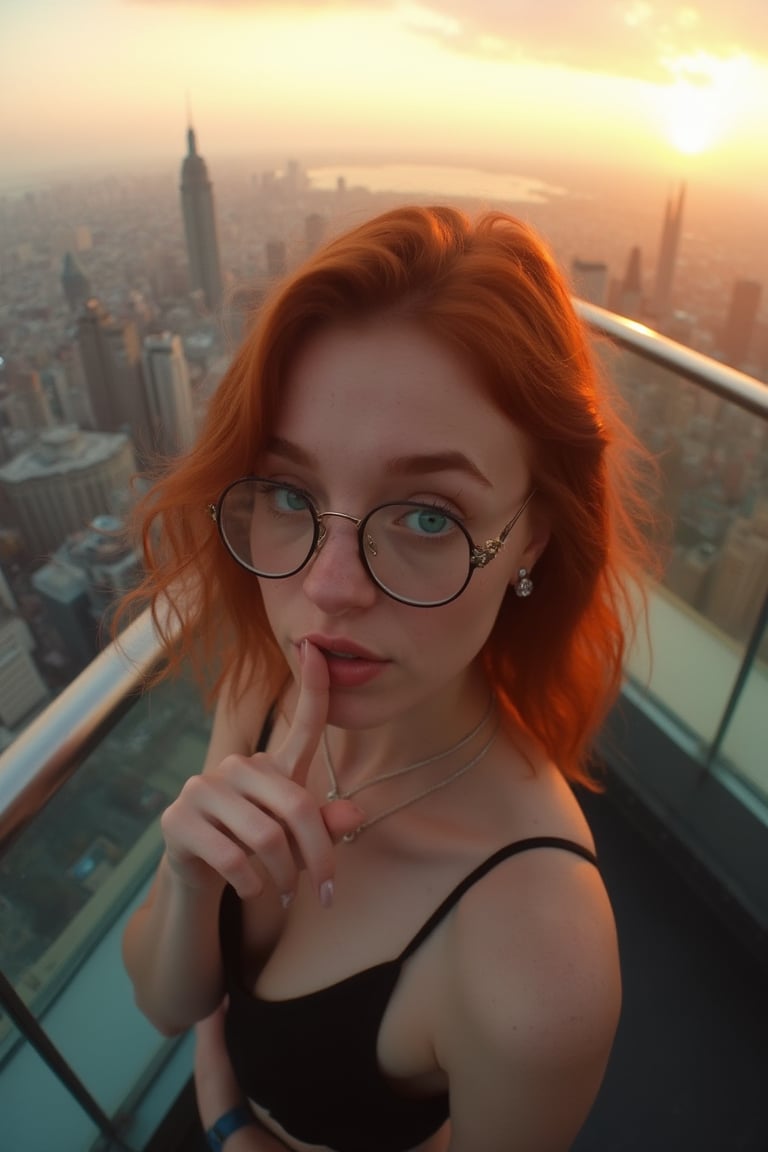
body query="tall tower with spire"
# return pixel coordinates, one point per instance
(631, 301)
(200, 225)
(74, 282)
(665, 267)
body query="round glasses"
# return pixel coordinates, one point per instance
(419, 554)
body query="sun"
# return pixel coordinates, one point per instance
(693, 117)
(704, 100)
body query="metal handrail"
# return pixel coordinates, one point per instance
(715, 377)
(43, 756)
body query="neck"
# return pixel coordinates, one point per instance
(430, 727)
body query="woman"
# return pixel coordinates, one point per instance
(404, 541)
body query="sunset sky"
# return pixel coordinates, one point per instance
(105, 82)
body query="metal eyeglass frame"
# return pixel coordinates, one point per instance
(478, 555)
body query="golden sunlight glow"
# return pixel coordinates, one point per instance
(704, 101)
(404, 77)
(694, 119)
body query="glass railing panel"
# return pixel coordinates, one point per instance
(69, 880)
(38, 1113)
(744, 749)
(685, 666)
(132, 1072)
(68, 873)
(713, 532)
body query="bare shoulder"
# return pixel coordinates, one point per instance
(238, 720)
(533, 995)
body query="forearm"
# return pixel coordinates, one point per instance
(172, 955)
(218, 1091)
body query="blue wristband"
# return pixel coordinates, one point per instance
(230, 1122)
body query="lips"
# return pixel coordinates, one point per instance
(343, 649)
(349, 664)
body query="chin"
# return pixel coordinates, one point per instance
(350, 712)
(359, 710)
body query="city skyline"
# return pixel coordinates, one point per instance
(105, 323)
(122, 297)
(682, 90)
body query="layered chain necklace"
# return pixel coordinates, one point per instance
(335, 793)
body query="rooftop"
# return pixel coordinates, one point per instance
(62, 450)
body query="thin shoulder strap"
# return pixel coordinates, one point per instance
(487, 866)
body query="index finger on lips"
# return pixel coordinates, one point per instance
(306, 728)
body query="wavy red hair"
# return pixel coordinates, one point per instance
(490, 290)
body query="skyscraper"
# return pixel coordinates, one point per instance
(168, 393)
(589, 278)
(26, 403)
(277, 257)
(200, 225)
(74, 282)
(63, 590)
(110, 355)
(66, 480)
(739, 579)
(740, 324)
(21, 686)
(667, 261)
(631, 292)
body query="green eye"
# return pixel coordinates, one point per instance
(428, 522)
(289, 500)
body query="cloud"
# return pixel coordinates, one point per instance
(636, 38)
(273, 5)
(633, 38)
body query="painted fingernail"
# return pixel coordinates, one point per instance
(286, 899)
(326, 893)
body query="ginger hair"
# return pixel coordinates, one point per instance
(490, 290)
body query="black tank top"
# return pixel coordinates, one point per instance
(311, 1061)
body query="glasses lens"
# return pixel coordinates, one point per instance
(268, 527)
(416, 553)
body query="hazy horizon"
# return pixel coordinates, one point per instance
(680, 91)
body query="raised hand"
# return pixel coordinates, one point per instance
(252, 810)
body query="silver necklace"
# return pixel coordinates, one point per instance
(335, 794)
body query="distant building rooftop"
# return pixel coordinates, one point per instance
(66, 448)
(60, 582)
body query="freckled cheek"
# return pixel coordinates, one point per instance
(456, 632)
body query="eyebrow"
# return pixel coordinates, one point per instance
(418, 464)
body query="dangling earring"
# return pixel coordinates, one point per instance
(523, 586)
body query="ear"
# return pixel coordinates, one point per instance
(539, 529)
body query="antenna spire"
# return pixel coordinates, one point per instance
(191, 142)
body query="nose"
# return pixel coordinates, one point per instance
(336, 579)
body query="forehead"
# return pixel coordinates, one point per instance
(389, 388)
